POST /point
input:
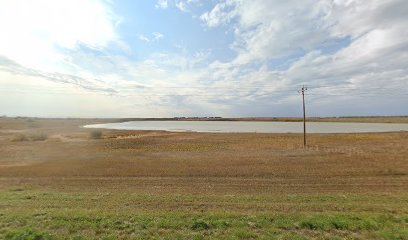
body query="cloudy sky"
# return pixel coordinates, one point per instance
(231, 58)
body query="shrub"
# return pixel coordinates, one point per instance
(200, 225)
(19, 138)
(95, 134)
(38, 137)
(32, 137)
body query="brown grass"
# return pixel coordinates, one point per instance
(157, 185)
(194, 162)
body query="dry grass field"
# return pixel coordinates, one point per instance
(61, 181)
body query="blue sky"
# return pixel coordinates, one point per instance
(231, 58)
(148, 28)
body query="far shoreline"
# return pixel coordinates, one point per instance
(357, 119)
(347, 119)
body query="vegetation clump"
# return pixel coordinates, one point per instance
(28, 234)
(38, 137)
(200, 224)
(19, 138)
(95, 134)
(32, 137)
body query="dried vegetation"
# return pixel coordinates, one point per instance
(147, 184)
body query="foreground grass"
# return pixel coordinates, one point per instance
(30, 213)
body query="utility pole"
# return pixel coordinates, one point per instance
(302, 91)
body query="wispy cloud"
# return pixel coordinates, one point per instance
(162, 4)
(8, 65)
(144, 38)
(353, 56)
(155, 37)
(182, 6)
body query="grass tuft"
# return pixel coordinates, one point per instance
(200, 224)
(338, 222)
(19, 138)
(38, 137)
(28, 234)
(32, 137)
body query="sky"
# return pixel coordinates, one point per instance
(227, 58)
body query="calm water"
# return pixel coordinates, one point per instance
(261, 127)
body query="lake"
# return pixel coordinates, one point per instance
(260, 127)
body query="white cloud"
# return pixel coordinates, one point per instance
(182, 6)
(162, 4)
(367, 67)
(187, 5)
(270, 29)
(372, 68)
(41, 28)
(157, 35)
(218, 15)
(144, 38)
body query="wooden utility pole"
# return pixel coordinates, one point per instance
(304, 114)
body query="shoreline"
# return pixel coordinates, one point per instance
(271, 127)
(351, 119)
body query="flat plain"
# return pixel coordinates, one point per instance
(61, 181)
